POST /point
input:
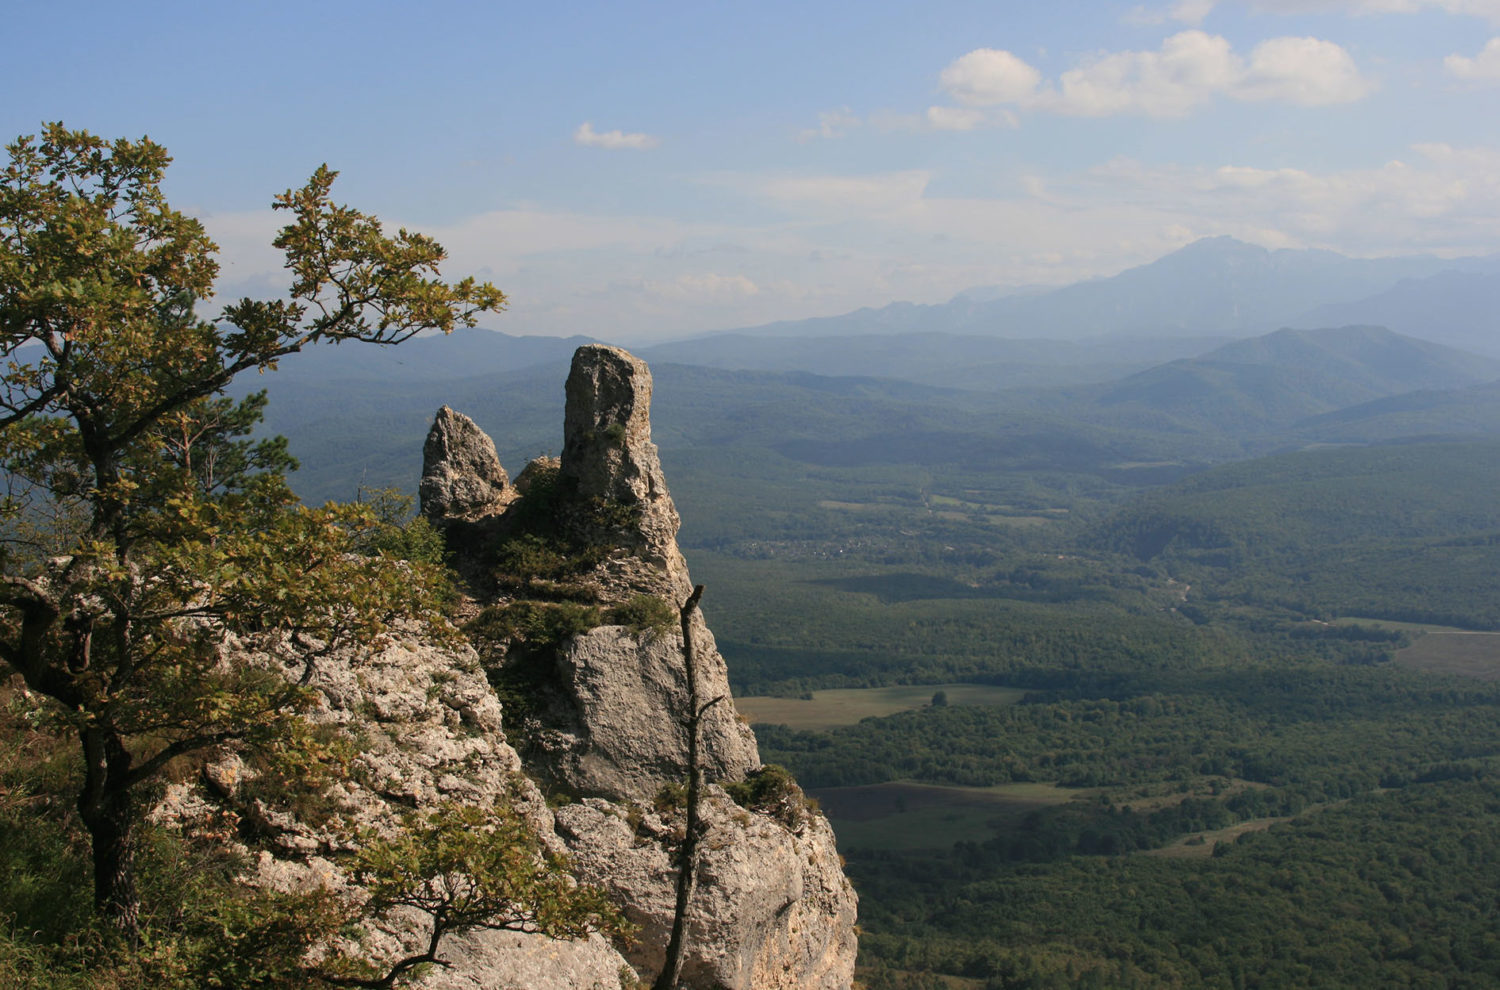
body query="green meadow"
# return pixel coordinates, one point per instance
(906, 815)
(846, 706)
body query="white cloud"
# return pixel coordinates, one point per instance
(829, 244)
(1445, 200)
(954, 118)
(1186, 72)
(1484, 67)
(941, 118)
(709, 286)
(862, 193)
(1192, 11)
(1306, 71)
(988, 76)
(1487, 9)
(832, 124)
(612, 140)
(1190, 69)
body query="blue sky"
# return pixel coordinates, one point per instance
(640, 172)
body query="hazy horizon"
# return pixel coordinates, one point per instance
(659, 172)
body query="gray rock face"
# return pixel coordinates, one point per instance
(772, 909)
(430, 731)
(615, 726)
(517, 961)
(461, 473)
(622, 734)
(607, 444)
(608, 455)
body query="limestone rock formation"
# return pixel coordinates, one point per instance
(430, 731)
(461, 473)
(608, 720)
(602, 715)
(576, 691)
(608, 455)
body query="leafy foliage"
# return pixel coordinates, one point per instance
(400, 533)
(644, 613)
(773, 788)
(200, 929)
(144, 528)
(537, 625)
(467, 867)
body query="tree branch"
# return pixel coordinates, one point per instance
(181, 747)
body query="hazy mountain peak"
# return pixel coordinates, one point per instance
(1215, 286)
(1220, 246)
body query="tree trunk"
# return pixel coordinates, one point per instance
(687, 863)
(107, 808)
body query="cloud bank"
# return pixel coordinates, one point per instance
(1484, 67)
(1189, 70)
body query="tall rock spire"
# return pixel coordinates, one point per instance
(608, 455)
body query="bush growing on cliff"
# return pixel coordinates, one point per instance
(401, 533)
(772, 788)
(536, 625)
(644, 613)
(468, 868)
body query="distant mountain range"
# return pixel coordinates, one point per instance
(1153, 373)
(1216, 287)
(1272, 382)
(1458, 308)
(945, 359)
(362, 421)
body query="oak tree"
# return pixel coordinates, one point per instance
(143, 533)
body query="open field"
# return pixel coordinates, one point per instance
(847, 706)
(1393, 624)
(953, 510)
(1467, 654)
(904, 815)
(1200, 845)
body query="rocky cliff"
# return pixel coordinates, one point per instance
(571, 705)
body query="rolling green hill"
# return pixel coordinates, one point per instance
(1473, 411)
(1264, 385)
(1400, 531)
